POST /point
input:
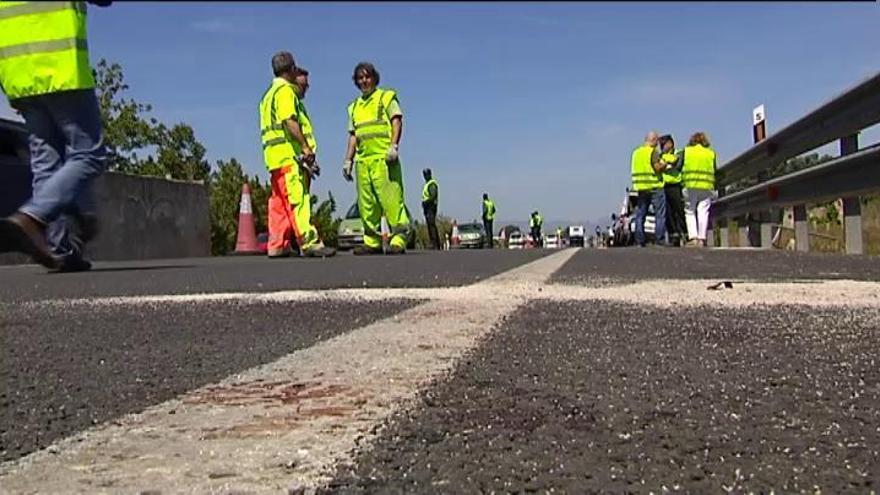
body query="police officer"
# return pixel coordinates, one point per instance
(430, 199)
(672, 162)
(488, 218)
(375, 124)
(290, 160)
(45, 74)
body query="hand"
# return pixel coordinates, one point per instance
(316, 169)
(392, 155)
(308, 155)
(347, 167)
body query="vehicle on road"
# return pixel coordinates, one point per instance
(551, 241)
(576, 236)
(350, 232)
(471, 235)
(516, 240)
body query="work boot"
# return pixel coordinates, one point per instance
(21, 233)
(278, 254)
(319, 250)
(366, 250)
(395, 249)
(72, 264)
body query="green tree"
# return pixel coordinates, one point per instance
(787, 167)
(326, 224)
(225, 198)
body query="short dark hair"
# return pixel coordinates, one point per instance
(365, 67)
(664, 139)
(302, 72)
(485, 196)
(282, 62)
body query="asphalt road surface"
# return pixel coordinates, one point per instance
(453, 372)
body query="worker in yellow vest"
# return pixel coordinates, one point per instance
(698, 177)
(430, 205)
(301, 86)
(45, 74)
(488, 219)
(647, 181)
(375, 124)
(671, 158)
(290, 160)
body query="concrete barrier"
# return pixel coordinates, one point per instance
(140, 217)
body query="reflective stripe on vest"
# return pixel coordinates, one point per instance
(698, 171)
(489, 207)
(372, 127)
(643, 176)
(426, 194)
(279, 149)
(672, 176)
(43, 48)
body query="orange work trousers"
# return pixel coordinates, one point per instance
(282, 219)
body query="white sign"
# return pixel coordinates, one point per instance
(758, 115)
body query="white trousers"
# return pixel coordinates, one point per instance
(696, 212)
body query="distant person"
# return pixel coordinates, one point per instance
(290, 159)
(375, 125)
(53, 88)
(647, 180)
(671, 160)
(488, 218)
(535, 224)
(430, 201)
(698, 177)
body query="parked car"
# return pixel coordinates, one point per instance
(551, 241)
(471, 235)
(516, 240)
(350, 233)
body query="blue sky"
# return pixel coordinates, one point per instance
(538, 104)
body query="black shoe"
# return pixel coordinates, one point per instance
(72, 264)
(397, 250)
(366, 250)
(319, 251)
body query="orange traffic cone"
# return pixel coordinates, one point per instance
(246, 243)
(454, 238)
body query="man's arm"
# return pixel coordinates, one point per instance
(432, 192)
(656, 163)
(396, 129)
(350, 147)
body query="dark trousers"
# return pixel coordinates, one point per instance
(536, 236)
(487, 225)
(430, 210)
(657, 198)
(675, 223)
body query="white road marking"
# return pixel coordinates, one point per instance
(288, 422)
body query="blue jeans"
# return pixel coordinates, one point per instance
(67, 155)
(657, 198)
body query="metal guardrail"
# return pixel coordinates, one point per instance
(854, 173)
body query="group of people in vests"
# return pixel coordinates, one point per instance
(679, 184)
(375, 123)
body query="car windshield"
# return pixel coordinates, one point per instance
(353, 212)
(470, 228)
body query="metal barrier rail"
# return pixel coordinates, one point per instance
(855, 173)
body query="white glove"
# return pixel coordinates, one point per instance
(391, 156)
(347, 167)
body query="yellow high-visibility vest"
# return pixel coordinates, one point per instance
(43, 48)
(279, 147)
(372, 127)
(698, 170)
(644, 178)
(426, 193)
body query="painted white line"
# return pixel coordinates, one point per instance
(289, 422)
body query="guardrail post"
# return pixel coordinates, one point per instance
(742, 226)
(725, 235)
(852, 225)
(766, 235)
(801, 229)
(852, 207)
